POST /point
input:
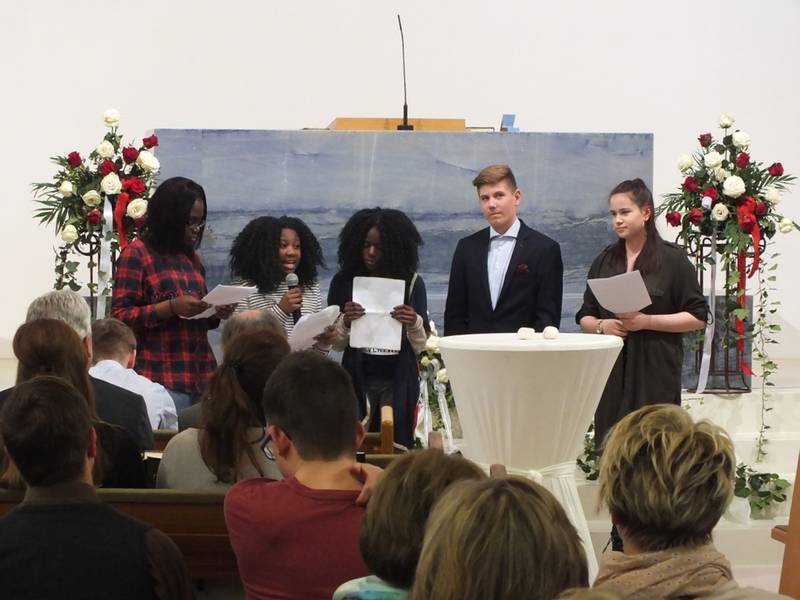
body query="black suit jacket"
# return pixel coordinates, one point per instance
(531, 292)
(117, 406)
(122, 407)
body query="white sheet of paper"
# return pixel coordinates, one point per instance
(310, 326)
(622, 293)
(222, 295)
(377, 329)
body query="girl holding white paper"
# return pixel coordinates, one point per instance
(379, 242)
(263, 254)
(648, 370)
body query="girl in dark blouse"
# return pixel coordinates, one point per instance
(648, 370)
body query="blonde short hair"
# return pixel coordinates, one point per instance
(495, 174)
(665, 479)
(499, 538)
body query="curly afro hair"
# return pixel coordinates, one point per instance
(400, 243)
(254, 254)
(168, 213)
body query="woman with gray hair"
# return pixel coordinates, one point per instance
(667, 481)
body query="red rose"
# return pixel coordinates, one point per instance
(74, 159)
(695, 215)
(747, 221)
(139, 222)
(711, 192)
(107, 167)
(747, 205)
(690, 184)
(674, 218)
(776, 169)
(761, 209)
(134, 185)
(742, 160)
(93, 218)
(150, 141)
(130, 154)
(705, 140)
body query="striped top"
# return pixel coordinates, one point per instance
(312, 302)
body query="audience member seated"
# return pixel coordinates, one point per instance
(394, 522)
(114, 354)
(61, 541)
(503, 539)
(667, 481)
(245, 321)
(229, 445)
(51, 347)
(298, 538)
(114, 404)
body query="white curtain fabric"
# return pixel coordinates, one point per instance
(528, 403)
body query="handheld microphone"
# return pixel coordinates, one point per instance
(292, 282)
(404, 126)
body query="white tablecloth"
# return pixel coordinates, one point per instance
(528, 403)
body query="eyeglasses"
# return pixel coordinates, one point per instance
(266, 445)
(196, 223)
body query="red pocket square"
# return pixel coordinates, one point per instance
(523, 268)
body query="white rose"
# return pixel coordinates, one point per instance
(432, 343)
(685, 163)
(111, 184)
(719, 212)
(66, 189)
(550, 333)
(136, 208)
(741, 140)
(111, 117)
(725, 121)
(105, 149)
(786, 225)
(92, 198)
(148, 162)
(441, 376)
(706, 202)
(733, 186)
(69, 234)
(721, 175)
(713, 160)
(772, 195)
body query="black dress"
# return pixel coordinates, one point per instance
(648, 369)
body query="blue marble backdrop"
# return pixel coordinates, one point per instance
(324, 176)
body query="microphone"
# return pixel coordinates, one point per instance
(292, 282)
(404, 126)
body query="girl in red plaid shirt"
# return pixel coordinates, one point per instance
(159, 280)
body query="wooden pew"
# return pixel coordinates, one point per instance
(381, 442)
(192, 519)
(789, 535)
(162, 438)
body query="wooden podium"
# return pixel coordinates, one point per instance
(388, 124)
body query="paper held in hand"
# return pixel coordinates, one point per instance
(223, 295)
(620, 294)
(376, 328)
(310, 326)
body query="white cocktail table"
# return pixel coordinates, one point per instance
(528, 403)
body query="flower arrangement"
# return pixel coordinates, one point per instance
(728, 197)
(97, 201)
(437, 410)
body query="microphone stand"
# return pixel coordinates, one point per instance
(404, 126)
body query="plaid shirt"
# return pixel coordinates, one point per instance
(173, 352)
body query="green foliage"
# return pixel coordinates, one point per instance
(589, 460)
(760, 489)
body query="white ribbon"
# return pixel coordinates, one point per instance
(424, 417)
(104, 260)
(708, 336)
(441, 398)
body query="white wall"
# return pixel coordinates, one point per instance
(612, 66)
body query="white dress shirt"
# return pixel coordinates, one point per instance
(501, 246)
(160, 406)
